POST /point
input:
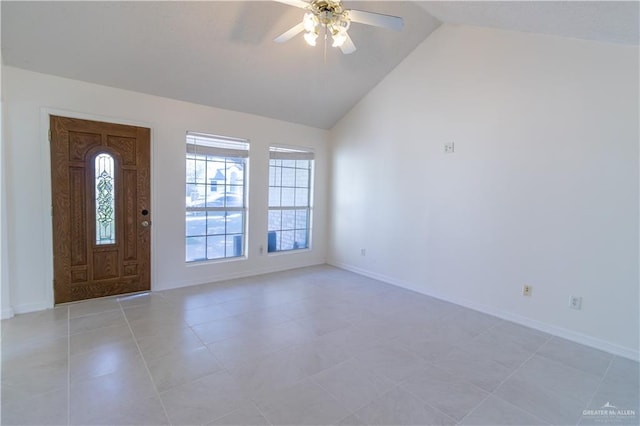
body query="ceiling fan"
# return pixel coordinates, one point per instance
(331, 16)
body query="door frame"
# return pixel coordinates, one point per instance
(47, 199)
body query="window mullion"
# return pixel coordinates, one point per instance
(214, 209)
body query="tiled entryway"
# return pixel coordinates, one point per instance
(311, 346)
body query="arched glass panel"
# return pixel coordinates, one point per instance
(105, 200)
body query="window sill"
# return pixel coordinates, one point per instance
(216, 261)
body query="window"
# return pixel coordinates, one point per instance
(290, 173)
(216, 207)
(105, 199)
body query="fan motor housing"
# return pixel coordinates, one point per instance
(327, 11)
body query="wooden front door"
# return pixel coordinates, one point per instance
(101, 208)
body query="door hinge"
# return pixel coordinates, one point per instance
(49, 135)
(52, 211)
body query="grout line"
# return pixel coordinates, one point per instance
(144, 361)
(255, 404)
(314, 381)
(354, 413)
(604, 375)
(226, 370)
(223, 368)
(534, 353)
(251, 400)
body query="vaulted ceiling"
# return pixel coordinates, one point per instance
(221, 53)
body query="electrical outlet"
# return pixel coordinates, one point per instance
(449, 148)
(575, 302)
(363, 252)
(526, 290)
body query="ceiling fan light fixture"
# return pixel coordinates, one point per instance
(342, 22)
(310, 38)
(339, 39)
(310, 22)
(332, 18)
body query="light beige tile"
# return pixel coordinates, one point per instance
(143, 299)
(561, 379)
(352, 339)
(623, 370)
(90, 307)
(482, 372)
(528, 338)
(496, 346)
(119, 356)
(253, 346)
(303, 404)
(220, 329)
(323, 321)
(110, 390)
(263, 318)
(98, 339)
(450, 394)
(475, 321)
(430, 350)
(96, 321)
(496, 411)
(247, 415)
(141, 411)
(167, 342)
(575, 355)
(351, 420)
(205, 314)
(35, 351)
(391, 362)
(41, 325)
(44, 409)
(154, 313)
(620, 387)
(182, 367)
(552, 391)
(352, 384)
(246, 304)
(187, 298)
(399, 407)
(262, 378)
(154, 325)
(308, 346)
(204, 400)
(22, 380)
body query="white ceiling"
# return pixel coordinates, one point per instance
(222, 54)
(606, 21)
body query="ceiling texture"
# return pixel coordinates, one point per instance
(222, 54)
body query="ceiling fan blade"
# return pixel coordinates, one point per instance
(295, 3)
(348, 47)
(290, 33)
(377, 19)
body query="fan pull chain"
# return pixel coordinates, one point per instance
(325, 45)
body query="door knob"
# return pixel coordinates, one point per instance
(145, 223)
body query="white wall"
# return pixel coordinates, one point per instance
(29, 97)
(542, 188)
(5, 297)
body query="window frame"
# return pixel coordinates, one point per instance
(281, 152)
(209, 148)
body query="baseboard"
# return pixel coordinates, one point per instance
(243, 274)
(564, 333)
(6, 313)
(31, 307)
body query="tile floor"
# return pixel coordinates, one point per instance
(312, 346)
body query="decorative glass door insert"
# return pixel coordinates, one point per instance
(105, 199)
